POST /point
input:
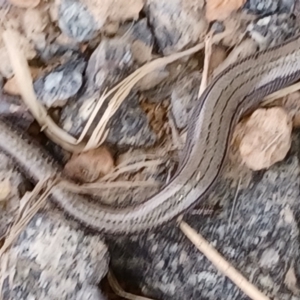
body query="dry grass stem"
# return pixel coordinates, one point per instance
(207, 57)
(119, 291)
(281, 93)
(234, 201)
(27, 211)
(90, 188)
(129, 168)
(221, 264)
(24, 81)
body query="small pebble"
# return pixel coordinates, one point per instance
(76, 21)
(89, 166)
(55, 88)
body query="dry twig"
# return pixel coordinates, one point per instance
(221, 264)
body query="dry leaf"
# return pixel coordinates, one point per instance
(11, 87)
(292, 105)
(221, 9)
(267, 138)
(5, 189)
(89, 166)
(25, 3)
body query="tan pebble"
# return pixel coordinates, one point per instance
(267, 138)
(89, 166)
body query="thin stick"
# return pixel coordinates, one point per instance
(234, 201)
(221, 264)
(282, 93)
(208, 49)
(130, 167)
(176, 139)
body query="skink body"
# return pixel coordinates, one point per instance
(238, 89)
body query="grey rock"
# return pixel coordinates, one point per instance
(111, 61)
(272, 30)
(141, 31)
(75, 20)
(54, 50)
(263, 7)
(5, 4)
(14, 111)
(175, 24)
(296, 10)
(261, 241)
(183, 98)
(1, 81)
(12, 186)
(54, 88)
(52, 260)
(90, 292)
(217, 27)
(130, 126)
(286, 6)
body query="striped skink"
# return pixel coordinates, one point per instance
(237, 90)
